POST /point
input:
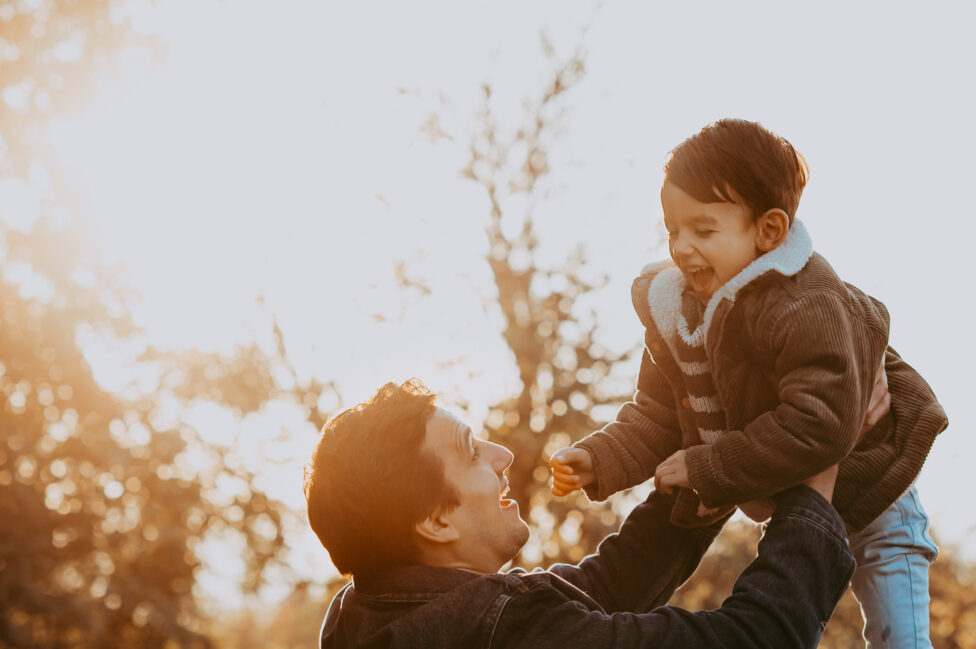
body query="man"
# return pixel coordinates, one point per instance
(413, 506)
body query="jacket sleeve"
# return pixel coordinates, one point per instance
(641, 566)
(826, 360)
(646, 432)
(804, 544)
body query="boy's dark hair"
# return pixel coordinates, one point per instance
(758, 165)
(371, 480)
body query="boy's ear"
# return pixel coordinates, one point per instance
(437, 528)
(771, 229)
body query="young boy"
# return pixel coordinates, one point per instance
(758, 371)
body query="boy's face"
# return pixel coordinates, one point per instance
(709, 242)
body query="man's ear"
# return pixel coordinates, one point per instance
(437, 528)
(771, 229)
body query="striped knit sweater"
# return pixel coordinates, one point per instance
(688, 344)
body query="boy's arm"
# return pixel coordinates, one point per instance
(826, 361)
(646, 431)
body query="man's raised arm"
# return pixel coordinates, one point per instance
(781, 601)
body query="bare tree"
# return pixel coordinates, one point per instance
(563, 371)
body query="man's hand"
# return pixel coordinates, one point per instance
(758, 510)
(572, 469)
(671, 473)
(823, 482)
(880, 402)
(762, 508)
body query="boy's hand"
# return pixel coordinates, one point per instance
(572, 469)
(671, 473)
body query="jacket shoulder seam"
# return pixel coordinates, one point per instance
(500, 602)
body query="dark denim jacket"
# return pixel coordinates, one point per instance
(782, 600)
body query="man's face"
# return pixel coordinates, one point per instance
(490, 530)
(710, 242)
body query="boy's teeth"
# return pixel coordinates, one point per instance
(698, 276)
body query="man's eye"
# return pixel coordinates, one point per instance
(704, 233)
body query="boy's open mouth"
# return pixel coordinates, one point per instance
(699, 278)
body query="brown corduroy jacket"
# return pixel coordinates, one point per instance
(794, 353)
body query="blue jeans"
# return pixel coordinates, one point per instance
(891, 581)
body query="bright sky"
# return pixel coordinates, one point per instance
(279, 153)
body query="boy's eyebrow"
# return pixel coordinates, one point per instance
(696, 219)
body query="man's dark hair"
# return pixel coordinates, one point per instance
(733, 154)
(371, 480)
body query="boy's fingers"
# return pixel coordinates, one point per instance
(560, 490)
(561, 467)
(567, 484)
(565, 487)
(562, 470)
(661, 485)
(568, 455)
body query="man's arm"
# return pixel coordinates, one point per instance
(642, 565)
(781, 601)
(646, 431)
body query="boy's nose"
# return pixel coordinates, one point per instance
(679, 247)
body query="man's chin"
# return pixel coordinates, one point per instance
(523, 535)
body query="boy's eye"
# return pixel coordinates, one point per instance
(704, 233)
(475, 454)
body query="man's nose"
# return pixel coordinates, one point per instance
(502, 458)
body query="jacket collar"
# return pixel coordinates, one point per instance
(406, 584)
(410, 581)
(664, 293)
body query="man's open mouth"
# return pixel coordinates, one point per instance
(503, 501)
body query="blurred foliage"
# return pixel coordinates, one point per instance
(105, 495)
(294, 623)
(49, 50)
